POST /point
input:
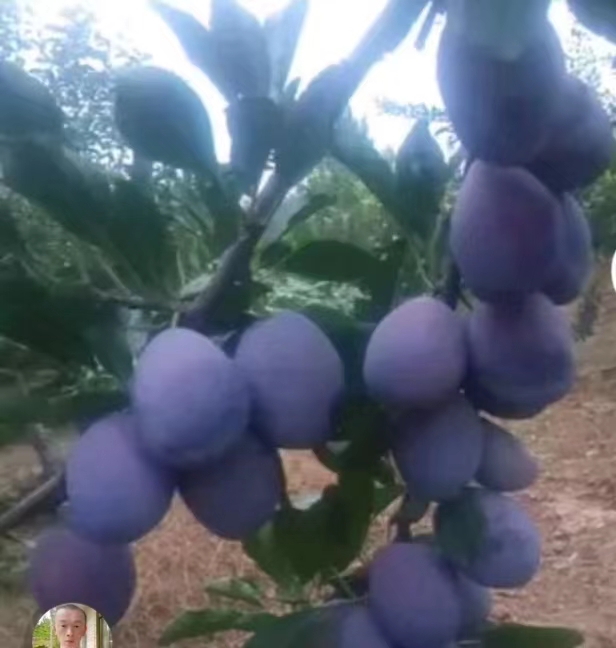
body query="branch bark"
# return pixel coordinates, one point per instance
(26, 506)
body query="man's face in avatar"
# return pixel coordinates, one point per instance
(70, 627)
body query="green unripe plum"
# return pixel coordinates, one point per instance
(416, 357)
(296, 379)
(190, 400)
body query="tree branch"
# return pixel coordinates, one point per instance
(26, 506)
(234, 270)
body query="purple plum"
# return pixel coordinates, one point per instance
(66, 568)
(191, 401)
(520, 353)
(506, 464)
(416, 357)
(504, 231)
(438, 451)
(116, 493)
(413, 596)
(296, 378)
(507, 554)
(235, 496)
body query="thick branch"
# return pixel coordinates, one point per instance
(234, 269)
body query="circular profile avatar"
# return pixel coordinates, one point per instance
(72, 626)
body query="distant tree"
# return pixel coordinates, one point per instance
(42, 637)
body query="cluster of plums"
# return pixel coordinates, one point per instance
(201, 424)
(535, 135)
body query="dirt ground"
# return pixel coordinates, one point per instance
(574, 503)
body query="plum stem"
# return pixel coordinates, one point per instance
(453, 286)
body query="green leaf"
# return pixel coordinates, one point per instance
(361, 437)
(28, 107)
(329, 534)
(393, 257)
(347, 512)
(263, 548)
(87, 405)
(512, 635)
(309, 124)
(73, 328)
(139, 237)
(109, 346)
(325, 536)
(232, 54)
(199, 46)
(283, 30)
(206, 623)
(163, 119)
(73, 193)
(330, 260)
(388, 31)
(254, 126)
(32, 316)
(311, 628)
(241, 48)
(354, 149)
(459, 525)
(421, 175)
(273, 254)
(18, 410)
(238, 589)
(297, 208)
(11, 241)
(349, 337)
(597, 15)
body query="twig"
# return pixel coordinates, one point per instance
(25, 507)
(135, 303)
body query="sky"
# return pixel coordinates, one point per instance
(332, 29)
